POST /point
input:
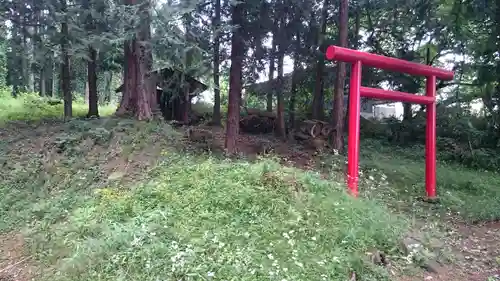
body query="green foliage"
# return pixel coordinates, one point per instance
(463, 138)
(31, 107)
(189, 217)
(396, 176)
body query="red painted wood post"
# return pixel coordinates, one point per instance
(430, 139)
(359, 59)
(354, 119)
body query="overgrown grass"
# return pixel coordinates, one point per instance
(188, 217)
(397, 176)
(31, 107)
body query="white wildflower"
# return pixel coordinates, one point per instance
(299, 264)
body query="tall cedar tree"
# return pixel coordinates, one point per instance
(216, 118)
(65, 67)
(338, 99)
(138, 92)
(318, 97)
(235, 84)
(91, 65)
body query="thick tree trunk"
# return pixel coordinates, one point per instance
(144, 59)
(272, 61)
(65, 67)
(129, 75)
(92, 84)
(216, 118)
(338, 99)
(49, 75)
(235, 84)
(317, 111)
(136, 95)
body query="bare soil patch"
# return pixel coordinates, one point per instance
(15, 265)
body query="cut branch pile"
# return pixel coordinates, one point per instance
(257, 121)
(314, 132)
(313, 129)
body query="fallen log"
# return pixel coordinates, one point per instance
(311, 128)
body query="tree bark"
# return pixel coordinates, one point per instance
(127, 104)
(216, 118)
(136, 95)
(317, 111)
(92, 83)
(355, 45)
(407, 111)
(49, 75)
(42, 86)
(235, 84)
(338, 99)
(65, 67)
(295, 75)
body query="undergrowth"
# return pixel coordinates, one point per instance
(181, 216)
(31, 107)
(396, 176)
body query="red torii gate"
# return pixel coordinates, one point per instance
(359, 59)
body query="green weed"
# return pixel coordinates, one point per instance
(31, 107)
(190, 217)
(396, 176)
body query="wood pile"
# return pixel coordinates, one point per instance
(258, 121)
(314, 132)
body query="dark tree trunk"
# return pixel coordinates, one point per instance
(338, 99)
(407, 111)
(136, 96)
(355, 45)
(127, 104)
(92, 84)
(317, 111)
(272, 62)
(49, 75)
(65, 67)
(42, 86)
(216, 118)
(235, 85)
(293, 93)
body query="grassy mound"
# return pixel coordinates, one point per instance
(113, 199)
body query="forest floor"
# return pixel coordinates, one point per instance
(106, 199)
